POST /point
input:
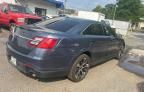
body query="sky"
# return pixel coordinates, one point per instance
(87, 5)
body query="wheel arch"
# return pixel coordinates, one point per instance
(71, 73)
(87, 53)
(82, 52)
(12, 21)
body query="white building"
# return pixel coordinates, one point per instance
(91, 15)
(40, 7)
(122, 27)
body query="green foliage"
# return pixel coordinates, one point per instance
(109, 11)
(142, 11)
(98, 9)
(126, 10)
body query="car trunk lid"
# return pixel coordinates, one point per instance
(21, 38)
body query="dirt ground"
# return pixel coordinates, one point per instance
(107, 77)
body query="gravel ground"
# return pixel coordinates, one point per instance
(135, 40)
(107, 77)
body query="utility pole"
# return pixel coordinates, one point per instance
(115, 9)
(65, 3)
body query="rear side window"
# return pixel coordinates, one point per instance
(62, 25)
(109, 31)
(94, 29)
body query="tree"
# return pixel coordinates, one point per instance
(108, 10)
(98, 8)
(142, 11)
(128, 10)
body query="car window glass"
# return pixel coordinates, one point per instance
(62, 25)
(1, 7)
(4, 8)
(94, 29)
(109, 31)
(112, 31)
(21, 9)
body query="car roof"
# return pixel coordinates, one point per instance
(82, 20)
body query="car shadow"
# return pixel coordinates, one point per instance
(52, 79)
(133, 62)
(140, 87)
(4, 27)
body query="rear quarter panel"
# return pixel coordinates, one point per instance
(72, 46)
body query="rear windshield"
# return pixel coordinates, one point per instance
(62, 25)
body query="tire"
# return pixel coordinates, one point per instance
(80, 68)
(0, 29)
(120, 52)
(12, 27)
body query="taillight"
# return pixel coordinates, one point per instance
(42, 42)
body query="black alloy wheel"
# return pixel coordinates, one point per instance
(80, 68)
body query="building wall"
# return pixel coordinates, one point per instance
(91, 15)
(51, 8)
(121, 27)
(141, 25)
(8, 1)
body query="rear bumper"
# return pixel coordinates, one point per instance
(27, 69)
(33, 66)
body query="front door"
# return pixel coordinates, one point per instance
(113, 42)
(4, 16)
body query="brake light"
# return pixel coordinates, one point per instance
(42, 42)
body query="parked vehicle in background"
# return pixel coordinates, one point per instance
(91, 15)
(45, 18)
(15, 15)
(62, 46)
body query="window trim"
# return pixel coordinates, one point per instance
(89, 26)
(81, 33)
(2, 8)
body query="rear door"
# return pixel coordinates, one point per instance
(98, 42)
